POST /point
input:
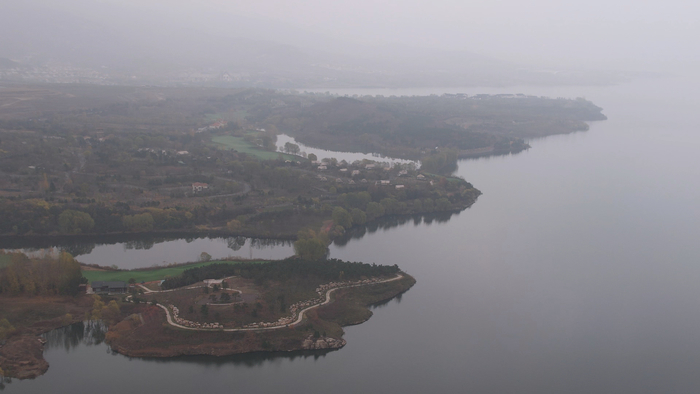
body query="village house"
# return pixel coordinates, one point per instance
(198, 187)
(212, 282)
(114, 287)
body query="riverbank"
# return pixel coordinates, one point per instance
(39, 241)
(21, 353)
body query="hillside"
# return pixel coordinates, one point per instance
(409, 127)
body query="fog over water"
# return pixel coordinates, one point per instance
(576, 271)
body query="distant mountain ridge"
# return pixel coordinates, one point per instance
(156, 45)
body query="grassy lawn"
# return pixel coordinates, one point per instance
(5, 259)
(243, 146)
(147, 275)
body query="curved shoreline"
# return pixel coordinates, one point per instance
(299, 319)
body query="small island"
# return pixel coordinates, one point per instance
(207, 308)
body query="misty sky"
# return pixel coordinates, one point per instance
(608, 34)
(601, 33)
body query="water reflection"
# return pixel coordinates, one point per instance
(89, 333)
(140, 251)
(392, 222)
(257, 359)
(395, 300)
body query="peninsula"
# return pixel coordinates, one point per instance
(81, 160)
(211, 308)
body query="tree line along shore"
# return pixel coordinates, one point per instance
(126, 160)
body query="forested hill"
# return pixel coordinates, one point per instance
(408, 126)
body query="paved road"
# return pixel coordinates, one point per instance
(299, 319)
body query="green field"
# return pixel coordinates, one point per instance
(228, 116)
(149, 274)
(4, 260)
(243, 146)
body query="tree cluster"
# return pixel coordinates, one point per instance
(283, 270)
(30, 277)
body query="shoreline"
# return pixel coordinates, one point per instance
(284, 339)
(22, 355)
(54, 240)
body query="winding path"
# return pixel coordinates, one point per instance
(299, 319)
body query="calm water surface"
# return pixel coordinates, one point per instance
(576, 271)
(328, 154)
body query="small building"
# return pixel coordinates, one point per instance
(322, 168)
(113, 287)
(212, 282)
(198, 187)
(400, 186)
(355, 172)
(420, 176)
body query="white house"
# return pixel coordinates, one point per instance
(198, 187)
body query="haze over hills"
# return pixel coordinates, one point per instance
(111, 43)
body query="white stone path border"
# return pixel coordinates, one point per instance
(300, 318)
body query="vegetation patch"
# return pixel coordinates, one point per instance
(150, 274)
(240, 144)
(254, 294)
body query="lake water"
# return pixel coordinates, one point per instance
(140, 251)
(328, 154)
(576, 271)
